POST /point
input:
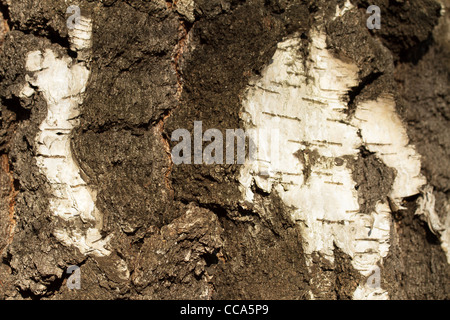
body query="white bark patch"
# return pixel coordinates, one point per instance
(340, 11)
(63, 84)
(445, 235)
(426, 208)
(384, 134)
(306, 106)
(81, 38)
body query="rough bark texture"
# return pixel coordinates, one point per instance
(183, 231)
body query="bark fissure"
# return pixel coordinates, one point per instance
(184, 30)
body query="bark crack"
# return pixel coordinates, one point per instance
(184, 31)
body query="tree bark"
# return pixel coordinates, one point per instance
(353, 203)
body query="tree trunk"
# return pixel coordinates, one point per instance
(224, 149)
